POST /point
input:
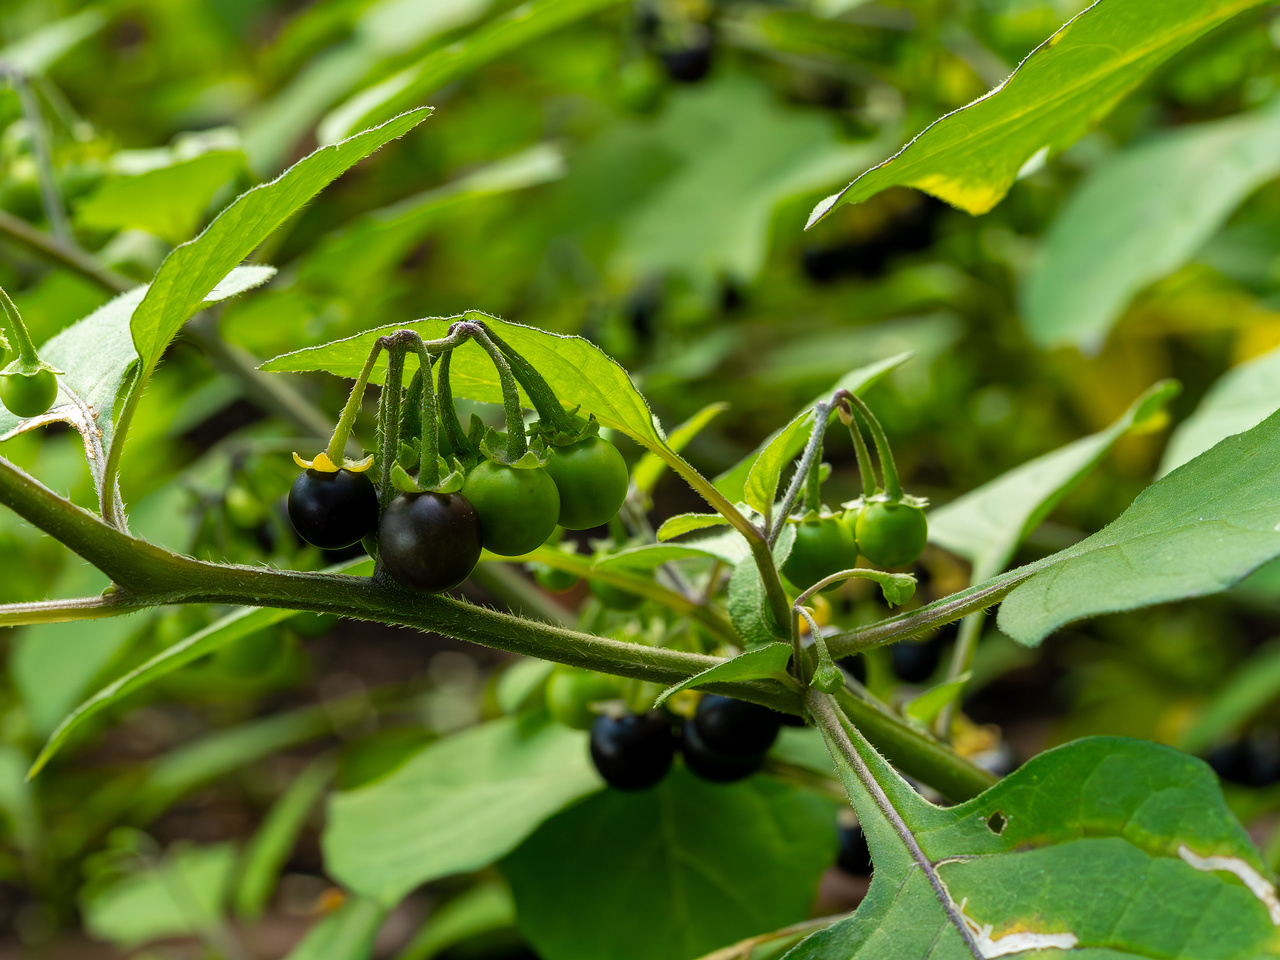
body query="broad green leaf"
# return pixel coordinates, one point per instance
(733, 482)
(1106, 847)
(1197, 531)
(491, 785)
(347, 934)
(267, 852)
(97, 353)
(650, 467)
(579, 372)
(690, 866)
(355, 257)
(230, 628)
(735, 155)
(225, 751)
(1140, 215)
(40, 50)
(728, 547)
(970, 158)
(683, 523)
(180, 896)
(500, 36)
(193, 269)
(1253, 686)
(986, 525)
(168, 201)
(769, 661)
(482, 909)
(1240, 399)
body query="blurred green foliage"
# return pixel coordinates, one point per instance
(578, 175)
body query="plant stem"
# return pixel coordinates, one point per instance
(61, 254)
(428, 421)
(389, 420)
(50, 198)
(808, 459)
(540, 393)
(448, 413)
(150, 576)
(892, 485)
(517, 443)
(866, 469)
(338, 442)
(841, 735)
(16, 330)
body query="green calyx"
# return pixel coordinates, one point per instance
(495, 446)
(557, 436)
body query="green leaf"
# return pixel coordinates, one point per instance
(1240, 399)
(579, 372)
(1101, 846)
(683, 523)
(192, 270)
(181, 895)
(230, 628)
(38, 51)
(1197, 531)
(690, 866)
(779, 451)
(492, 785)
(267, 852)
(97, 353)
(1141, 214)
(225, 751)
(986, 525)
(728, 547)
(482, 909)
(495, 39)
(735, 154)
(970, 158)
(1253, 686)
(769, 661)
(929, 704)
(650, 467)
(168, 201)
(345, 935)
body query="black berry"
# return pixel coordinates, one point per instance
(711, 764)
(633, 752)
(736, 728)
(333, 510)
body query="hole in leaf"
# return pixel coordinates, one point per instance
(997, 822)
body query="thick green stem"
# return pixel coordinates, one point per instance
(338, 442)
(16, 330)
(866, 469)
(892, 485)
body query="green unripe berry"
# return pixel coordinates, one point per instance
(892, 534)
(25, 396)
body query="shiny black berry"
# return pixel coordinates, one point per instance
(429, 541)
(333, 510)
(633, 752)
(690, 64)
(736, 728)
(711, 764)
(855, 855)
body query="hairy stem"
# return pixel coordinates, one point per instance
(840, 735)
(148, 576)
(866, 469)
(892, 485)
(807, 462)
